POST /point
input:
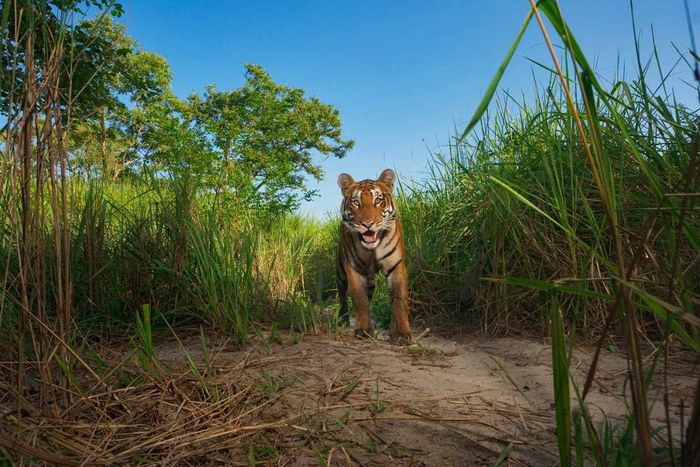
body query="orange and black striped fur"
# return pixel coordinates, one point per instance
(371, 239)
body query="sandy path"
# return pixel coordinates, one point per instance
(444, 402)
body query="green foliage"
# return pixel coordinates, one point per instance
(223, 274)
(146, 352)
(263, 136)
(569, 216)
(255, 146)
(141, 247)
(120, 86)
(29, 30)
(169, 204)
(376, 406)
(560, 372)
(269, 385)
(381, 304)
(262, 451)
(509, 215)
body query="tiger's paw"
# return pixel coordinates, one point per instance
(364, 333)
(401, 338)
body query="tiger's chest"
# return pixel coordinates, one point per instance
(374, 259)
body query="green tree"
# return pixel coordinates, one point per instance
(38, 24)
(259, 145)
(263, 138)
(122, 85)
(171, 143)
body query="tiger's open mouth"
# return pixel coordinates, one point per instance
(369, 236)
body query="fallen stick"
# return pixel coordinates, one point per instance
(422, 334)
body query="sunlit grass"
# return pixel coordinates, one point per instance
(572, 215)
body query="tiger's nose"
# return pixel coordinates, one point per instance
(367, 225)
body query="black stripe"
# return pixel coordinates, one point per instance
(392, 238)
(339, 257)
(348, 247)
(355, 259)
(388, 273)
(344, 209)
(351, 262)
(390, 253)
(340, 272)
(382, 235)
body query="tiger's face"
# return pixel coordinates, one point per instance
(368, 207)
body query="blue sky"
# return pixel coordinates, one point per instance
(402, 73)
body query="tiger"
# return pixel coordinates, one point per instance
(371, 239)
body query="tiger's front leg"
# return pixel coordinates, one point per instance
(397, 282)
(359, 293)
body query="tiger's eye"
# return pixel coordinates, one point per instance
(355, 203)
(377, 201)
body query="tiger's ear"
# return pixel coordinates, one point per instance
(345, 182)
(388, 177)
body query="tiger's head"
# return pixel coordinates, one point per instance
(368, 206)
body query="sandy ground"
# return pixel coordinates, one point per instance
(465, 401)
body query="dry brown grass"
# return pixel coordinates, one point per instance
(212, 411)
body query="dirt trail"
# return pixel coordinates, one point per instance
(443, 402)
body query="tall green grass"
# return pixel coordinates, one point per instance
(572, 215)
(165, 245)
(517, 203)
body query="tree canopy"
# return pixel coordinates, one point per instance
(259, 145)
(263, 136)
